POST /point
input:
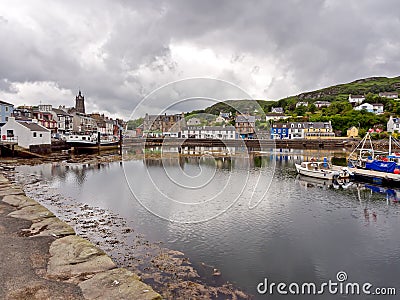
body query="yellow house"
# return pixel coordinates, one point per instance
(318, 130)
(352, 132)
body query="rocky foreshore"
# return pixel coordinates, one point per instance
(43, 258)
(168, 271)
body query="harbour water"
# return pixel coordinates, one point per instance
(301, 230)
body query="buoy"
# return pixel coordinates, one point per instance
(396, 171)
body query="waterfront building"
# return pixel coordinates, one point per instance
(356, 99)
(280, 131)
(64, 120)
(23, 113)
(43, 114)
(245, 126)
(302, 130)
(6, 111)
(352, 132)
(103, 123)
(83, 123)
(390, 95)
(209, 132)
(318, 130)
(157, 125)
(25, 133)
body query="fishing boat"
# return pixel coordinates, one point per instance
(378, 167)
(321, 170)
(91, 140)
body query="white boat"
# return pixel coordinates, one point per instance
(89, 140)
(321, 170)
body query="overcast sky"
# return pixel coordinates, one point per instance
(117, 52)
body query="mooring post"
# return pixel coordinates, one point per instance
(98, 143)
(120, 142)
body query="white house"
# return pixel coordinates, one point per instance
(275, 117)
(320, 104)
(277, 110)
(390, 95)
(393, 125)
(25, 133)
(376, 108)
(209, 132)
(356, 99)
(301, 103)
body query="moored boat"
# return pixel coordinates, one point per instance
(321, 170)
(91, 140)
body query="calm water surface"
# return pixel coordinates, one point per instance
(302, 231)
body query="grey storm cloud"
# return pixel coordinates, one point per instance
(119, 51)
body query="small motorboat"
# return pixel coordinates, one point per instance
(321, 170)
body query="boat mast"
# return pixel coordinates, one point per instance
(390, 144)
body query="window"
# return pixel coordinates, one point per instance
(40, 135)
(34, 134)
(10, 133)
(6, 108)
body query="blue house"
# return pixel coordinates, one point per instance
(6, 110)
(279, 131)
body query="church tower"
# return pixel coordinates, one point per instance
(80, 103)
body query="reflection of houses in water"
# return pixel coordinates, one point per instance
(223, 163)
(208, 150)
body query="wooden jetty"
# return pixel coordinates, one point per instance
(376, 177)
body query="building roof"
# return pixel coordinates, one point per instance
(356, 96)
(6, 103)
(245, 119)
(377, 104)
(23, 118)
(303, 125)
(388, 94)
(33, 126)
(61, 112)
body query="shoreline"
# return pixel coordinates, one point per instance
(168, 271)
(59, 261)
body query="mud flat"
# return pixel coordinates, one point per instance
(43, 258)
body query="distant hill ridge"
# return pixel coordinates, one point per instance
(373, 85)
(339, 92)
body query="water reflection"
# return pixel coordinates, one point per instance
(305, 230)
